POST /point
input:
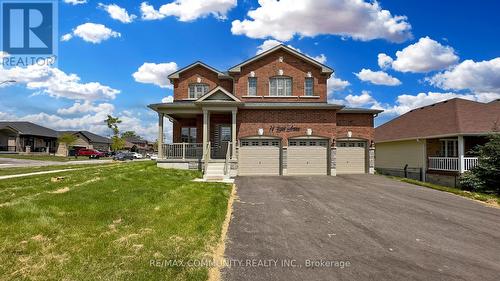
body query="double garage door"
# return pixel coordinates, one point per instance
(302, 157)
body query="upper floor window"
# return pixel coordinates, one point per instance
(197, 90)
(280, 86)
(188, 134)
(252, 86)
(309, 87)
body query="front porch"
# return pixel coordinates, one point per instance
(453, 154)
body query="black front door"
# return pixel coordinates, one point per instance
(222, 136)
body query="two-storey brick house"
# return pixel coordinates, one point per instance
(268, 115)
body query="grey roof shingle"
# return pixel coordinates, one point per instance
(28, 128)
(90, 136)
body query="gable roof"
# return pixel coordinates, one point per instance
(212, 93)
(324, 68)
(90, 136)
(28, 128)
(452, 117)
(135, 139)
(221, 75)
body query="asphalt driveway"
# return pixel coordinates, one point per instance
(359, 227)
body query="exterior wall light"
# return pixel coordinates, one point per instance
(280, 59)
(309, 132)
(261, 131)
(309, 74)
(198, 80)
(280, 72)
(252, 74)
(349, 134)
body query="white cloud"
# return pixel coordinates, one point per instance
(118, 13)
(85, 107)
(75, 2)
(148, 12)
(377, 77)
(360, 20)
(168, 99)
(57, 83)
(66, 37)
(155, 73)
(384, 61)
(424, 56)
(336, 84)
(91, 32)
(188, 10)
(3, 55)
(483, 76)
(405, 102)
(271, 43)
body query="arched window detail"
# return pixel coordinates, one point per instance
(280, 86)
(196, 90)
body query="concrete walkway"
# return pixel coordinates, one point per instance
(34, 174)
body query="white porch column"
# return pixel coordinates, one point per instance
(160, 135)
(233, 133)
(461, 161)
(206, 132)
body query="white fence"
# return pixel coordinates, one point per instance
(452, 163)
(183, 151)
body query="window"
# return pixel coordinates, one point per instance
(280, 86)
(197, 90)
(449, 148)
(252, 86)
(188, 134)
(309, 87)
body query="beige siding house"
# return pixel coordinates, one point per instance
(436, 141)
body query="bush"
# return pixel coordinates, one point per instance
(486, 175)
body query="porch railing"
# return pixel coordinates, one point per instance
(452, 163)
(183, 151)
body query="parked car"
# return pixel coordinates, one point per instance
(122, 156)
(110, 154)
(91, 153)
(153, 156)
(137, 155)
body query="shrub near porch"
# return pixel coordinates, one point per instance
(109, 223)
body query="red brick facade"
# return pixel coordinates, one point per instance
(286, 124)
(269, 66)
(283, 123)
(205, 75)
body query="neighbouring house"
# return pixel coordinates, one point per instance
(86, 139)
(137, 144)
(437, 139)
(268, 115)
(26, 137)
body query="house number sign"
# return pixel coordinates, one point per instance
(280, 129)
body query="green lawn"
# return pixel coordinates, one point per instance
(489, 198)
(25, 170)
(44, 157)
(109, 223)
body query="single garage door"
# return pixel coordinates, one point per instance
(351, 157)
(259, 157)
(307, 157)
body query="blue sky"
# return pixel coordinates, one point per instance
(446, 49)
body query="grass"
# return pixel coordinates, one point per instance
(109, 223)
(490, 198)
(25, 170)
(44, 157)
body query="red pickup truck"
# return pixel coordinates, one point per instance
(91, 153)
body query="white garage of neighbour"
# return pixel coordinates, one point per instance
(307, 157)
(259, 157)
(351, 157)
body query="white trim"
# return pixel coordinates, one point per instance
(309, 97)
(175, 75)
(324, 68)
(439, 136)
(215, 90)
(248, 87)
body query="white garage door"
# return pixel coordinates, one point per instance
(351, 157)
(259, 157)
(307, 157)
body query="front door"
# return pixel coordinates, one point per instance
(222, 136)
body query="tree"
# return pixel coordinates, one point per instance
(486, 175)
(67, 139)
(129, 134)
(112, 123)
(117, 142)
